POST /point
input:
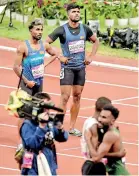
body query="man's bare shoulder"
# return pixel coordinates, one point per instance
(111, 135)
(92, 119)
(46, 45)
(90, 122)
(91, 125)
(21, 47)
(94, 128)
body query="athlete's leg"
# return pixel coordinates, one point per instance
(79, 80)
(65, 94)
(66, 82)
(77, 90)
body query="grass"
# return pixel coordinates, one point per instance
(22, 34)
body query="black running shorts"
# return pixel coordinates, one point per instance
(91, 168)
(70, 76)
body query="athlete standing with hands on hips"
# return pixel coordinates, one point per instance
(73, 36)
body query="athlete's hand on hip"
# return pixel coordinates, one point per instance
(87, 61)
(63, 59)
(30, 84)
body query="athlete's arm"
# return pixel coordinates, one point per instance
(108, 140)
(49, 40)
(58, 33)
(53, 54)
(94, 136)
(91, 137)
(17, 65)
(118, 154)
(92, 38)
(55, 34)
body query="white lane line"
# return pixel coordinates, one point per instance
(114, 85)
(88, 99)
(80, 157)
(76, 148)
(64, 154)
(7, 125)
(2, 104)
(88, 81)
(93, 63)
(73, 148)
(124, 104)
(8, 146)
(126, 123)
(113, 101)
(14, 126)
(10, 169)
(123, 99)
(8, 87)
(88, 107)
(84, 117)
(82, 108)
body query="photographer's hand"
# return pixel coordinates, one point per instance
(60, 126)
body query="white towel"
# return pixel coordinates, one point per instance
(43, 166)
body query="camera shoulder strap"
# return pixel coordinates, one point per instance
(20, 78)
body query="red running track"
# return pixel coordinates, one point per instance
(120, 86)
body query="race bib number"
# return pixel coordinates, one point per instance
(27, 160)
(76, 46)
(38, 71)
(62, 73)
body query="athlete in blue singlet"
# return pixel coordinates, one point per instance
(73, 36)
(30, 55)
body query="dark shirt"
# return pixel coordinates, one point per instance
(60, 32)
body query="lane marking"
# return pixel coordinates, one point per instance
(82, 98)
(10, 169)
(126, 123)
(73, 156)
(88, 81)
(93, 63)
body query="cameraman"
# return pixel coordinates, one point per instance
(37, 137)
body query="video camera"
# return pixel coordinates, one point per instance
(22, 105)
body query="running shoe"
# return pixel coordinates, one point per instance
(75, 132)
